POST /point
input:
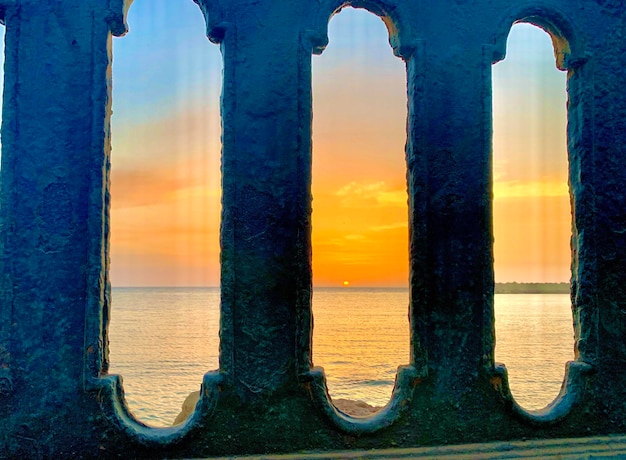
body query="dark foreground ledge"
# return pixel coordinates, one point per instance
(572, 448)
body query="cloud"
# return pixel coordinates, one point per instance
(132, 188)
(522, 189)
(171, 140)
(353, 188)
(354, 194)
(355, 237)
(390, 227)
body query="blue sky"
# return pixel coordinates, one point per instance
(166, 152)
(166, 148)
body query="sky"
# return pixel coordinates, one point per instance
(166, 155)
(532, 219)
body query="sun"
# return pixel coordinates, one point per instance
(346, 283)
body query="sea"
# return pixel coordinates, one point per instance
(163, 340)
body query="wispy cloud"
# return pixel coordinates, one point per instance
(386, 228)
(355, 237)
(132, 188)
(355, 194)
(520, 189)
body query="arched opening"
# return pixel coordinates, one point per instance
(360, 229)
(165, 208)
(532, 217)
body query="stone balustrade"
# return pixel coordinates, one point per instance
(57, 399)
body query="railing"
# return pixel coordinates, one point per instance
(56, 397)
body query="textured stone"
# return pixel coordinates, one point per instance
(347, 406)
(56, 397)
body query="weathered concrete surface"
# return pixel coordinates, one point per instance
(56, 397)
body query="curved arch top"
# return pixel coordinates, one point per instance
(392, 14)
(4, 4)
(568, 49)
(211, 9)
(214, 16)
(118, 12)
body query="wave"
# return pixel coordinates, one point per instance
(376, 383)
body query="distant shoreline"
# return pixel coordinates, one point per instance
(500, 288)
(532, 288)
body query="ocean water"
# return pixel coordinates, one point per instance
(162, 340)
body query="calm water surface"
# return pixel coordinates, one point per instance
(162, 340)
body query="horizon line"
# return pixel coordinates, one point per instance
(326, 286)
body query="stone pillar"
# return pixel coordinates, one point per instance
(266, 199)
(449, 184)
(597, 119)
(54, 167)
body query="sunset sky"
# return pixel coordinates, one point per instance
(166, 147)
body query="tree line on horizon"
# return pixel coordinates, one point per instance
(532, 288)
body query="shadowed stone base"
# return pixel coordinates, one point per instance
(350, 407)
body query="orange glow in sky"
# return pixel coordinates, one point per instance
(532, 220)
(359, 190)
(166, 156)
